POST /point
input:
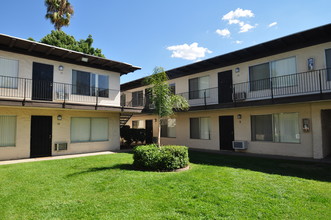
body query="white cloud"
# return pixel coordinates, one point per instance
(224, 33)
(238, 13)
(233, 18)
(272, 24)
(188, 52)
(245, 28)
(238, 42)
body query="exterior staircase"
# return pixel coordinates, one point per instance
(124, 118)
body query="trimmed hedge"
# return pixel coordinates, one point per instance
(164, 158)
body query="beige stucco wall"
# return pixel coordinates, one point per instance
(60, 130)
(310, 143)
(65, 76)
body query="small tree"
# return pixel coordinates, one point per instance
(162, 97)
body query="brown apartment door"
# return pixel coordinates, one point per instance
(149, 131)
(41, 136)
(226, 129)
(42, 82)
(225, 87)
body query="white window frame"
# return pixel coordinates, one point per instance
(9, 81)
(6, 134)
(171, 130)
(93, 86)
(90, 129)
(140, 124)
(277, 133)
(276, 80)
(202, 134)
(201, 90)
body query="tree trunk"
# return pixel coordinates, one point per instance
(159, 133)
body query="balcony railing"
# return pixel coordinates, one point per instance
(298, 84)
(23, 89)
(201, 97)
(128, 100)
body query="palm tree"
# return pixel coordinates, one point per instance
(59, 12)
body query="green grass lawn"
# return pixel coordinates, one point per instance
(216, 187)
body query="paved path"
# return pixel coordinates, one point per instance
(54, 157)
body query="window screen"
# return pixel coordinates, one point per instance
(8, 73)
(259, 77)
(261, 128)
(89, 129)
(7, 131)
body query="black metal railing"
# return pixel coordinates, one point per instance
(128, 99)
(27, 89)
(201, 97)
(304, 83)
(298, 84)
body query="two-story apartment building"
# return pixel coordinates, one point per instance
(271, 98)
(55, 101)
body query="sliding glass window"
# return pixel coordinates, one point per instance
(7, 131)
(89, 129)
(90, 84)
(280, 127)
(8, 73)
(200, 128)
(199, 87)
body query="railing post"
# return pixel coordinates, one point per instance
(24, 93)
(64, 96)
(320, 82)
(234, 95)
(272, 90)
(205, 97)
(97, 98)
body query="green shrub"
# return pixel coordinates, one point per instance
(164, 158)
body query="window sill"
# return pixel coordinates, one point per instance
(75, 142)
(278, 142)
(200, 139)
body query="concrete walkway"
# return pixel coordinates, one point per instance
(55, 157)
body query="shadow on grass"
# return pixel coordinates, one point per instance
(301, 169)
(99, 169)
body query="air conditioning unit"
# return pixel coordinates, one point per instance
(240, 96)
(239, 145)
(62, 95)
(61, 146)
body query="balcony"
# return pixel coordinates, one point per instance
(299, 87)
(30, 92)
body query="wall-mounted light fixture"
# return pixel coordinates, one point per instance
(239, 116)
(61, 68)
(155, 120)
(59, 117)
(85, 59)
(237, 70)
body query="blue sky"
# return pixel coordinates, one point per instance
(171, 33)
